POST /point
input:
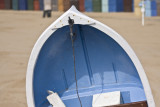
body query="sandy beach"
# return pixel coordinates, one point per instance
(19, 31)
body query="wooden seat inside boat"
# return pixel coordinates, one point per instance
(134, 104)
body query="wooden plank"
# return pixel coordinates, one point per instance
(36, 5)
(8, 4)
(60, 5)
(2, 4)
(127, 5)
(66, 4)
(134, 104)
(81, 5)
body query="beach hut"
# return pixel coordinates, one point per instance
(22, 4)
(88, 5)
(2, 4)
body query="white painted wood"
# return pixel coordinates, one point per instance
(82, 19)
(106, 99)
(55, 100)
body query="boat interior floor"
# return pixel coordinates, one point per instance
(102, 65)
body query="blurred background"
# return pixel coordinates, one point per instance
(22, 22)
(152, 7)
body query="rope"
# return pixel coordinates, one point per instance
(71, 22)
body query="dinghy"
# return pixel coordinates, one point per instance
(79, 58)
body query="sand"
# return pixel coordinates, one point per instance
(19, 31)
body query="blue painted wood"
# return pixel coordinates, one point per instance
(154, 13)
(41, 4)
(151, 4)
(88, 5)
(149, 13)
(116, 5)
(15, 4)
(101, 66)
(120, 6)
(22, 4)
(105, 6)
(133, 5)
(150, 8)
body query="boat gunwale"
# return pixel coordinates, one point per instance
(98, 25)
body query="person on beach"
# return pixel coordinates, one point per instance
(47, 8)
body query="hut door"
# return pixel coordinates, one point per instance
(127, 5)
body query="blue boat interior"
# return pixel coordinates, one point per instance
(102, 66)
